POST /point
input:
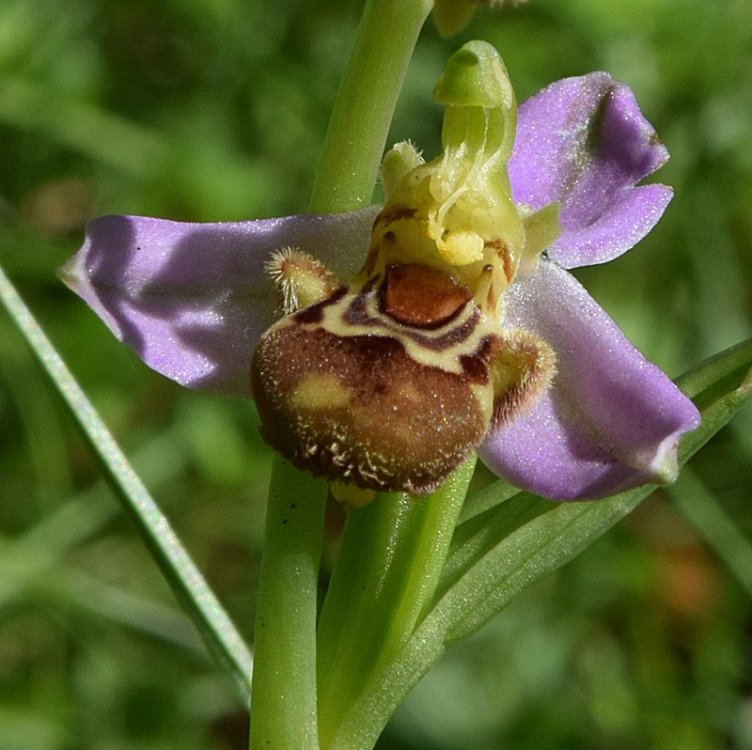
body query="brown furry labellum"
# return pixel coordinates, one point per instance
(389, 384)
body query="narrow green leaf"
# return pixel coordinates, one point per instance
(731, 362)
(501, 564)
(557, 532)
(181, 573)
(477, 536)
(522, 557)
(489, 497)
(389, 564)
(719, 386)
(705, 513)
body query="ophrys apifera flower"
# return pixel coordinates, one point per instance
(441, 323)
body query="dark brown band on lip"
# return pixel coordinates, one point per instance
(358, 314)
(315, 313)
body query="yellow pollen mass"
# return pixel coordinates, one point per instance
(460, 248)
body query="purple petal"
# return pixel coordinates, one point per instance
(611, 419)
(584, 143)
(193, 299)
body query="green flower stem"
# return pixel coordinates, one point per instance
(283, 693)
(365, 104)
(284, 683)
(388, 567)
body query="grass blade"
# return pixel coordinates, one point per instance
(181, 573)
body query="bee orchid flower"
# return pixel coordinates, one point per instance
(438, 324)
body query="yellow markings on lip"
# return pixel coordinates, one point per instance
(390, 383)
(320, 390)
(461, 325)
(361, 410)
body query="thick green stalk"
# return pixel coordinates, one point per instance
(283, 693)
(284, 682)
(365, 104)
(389, 565)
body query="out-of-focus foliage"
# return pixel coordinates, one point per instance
(216, 109)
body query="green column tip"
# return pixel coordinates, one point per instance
(475, 76)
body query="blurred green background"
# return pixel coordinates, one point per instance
(216, 109)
